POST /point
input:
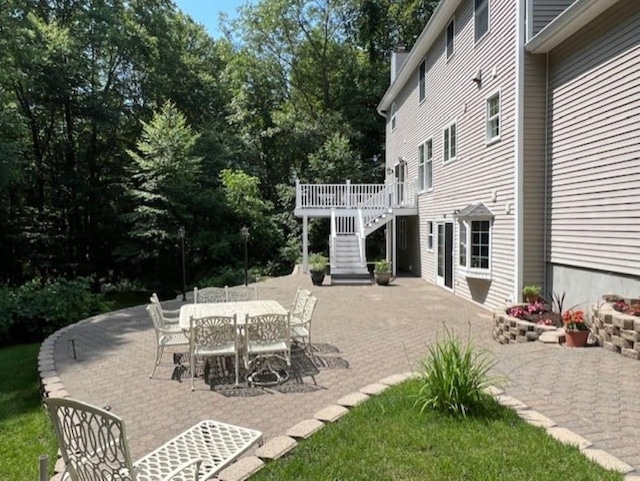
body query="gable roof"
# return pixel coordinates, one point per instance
(430, 33)
(475, 210)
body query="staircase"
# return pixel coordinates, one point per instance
(346, 263)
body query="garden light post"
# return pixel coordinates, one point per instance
(245, 236)
(184, 272)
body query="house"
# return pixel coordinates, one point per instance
(515, 124)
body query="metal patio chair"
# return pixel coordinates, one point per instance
(241, 293)
(267, 336)
(298, 303)
(166, 334)
(301, 326)
(170, 316)
(94, 447)
(209, 294)
(215, 336)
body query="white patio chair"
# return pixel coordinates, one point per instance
(267, 335)
(298, 303)
(241, 293)
(301, 326)
(171, 316)
(215, 336)
(166, 334)
(209, 294)
(94, 447)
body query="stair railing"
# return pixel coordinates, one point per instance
(332, 240)
(375, 205)
(361, 239)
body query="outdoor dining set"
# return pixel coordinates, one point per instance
(231, 322)
(228, 322)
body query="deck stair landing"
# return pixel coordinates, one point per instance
(346, 266)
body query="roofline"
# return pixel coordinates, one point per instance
(576, 16)
(438, 22)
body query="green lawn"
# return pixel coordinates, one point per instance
(387, 439)
(25, 430)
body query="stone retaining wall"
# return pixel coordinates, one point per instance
(511, 330)
(616, 331)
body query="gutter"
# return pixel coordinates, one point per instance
(430, 34)
(576, 16)
(518, 265)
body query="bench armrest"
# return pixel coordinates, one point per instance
(183, 467)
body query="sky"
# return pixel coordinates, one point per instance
(206, 11)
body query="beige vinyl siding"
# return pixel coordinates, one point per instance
(545, 11)
(534, 170)
(479, 169)
(594, 173)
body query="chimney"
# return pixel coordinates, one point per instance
(398, 56)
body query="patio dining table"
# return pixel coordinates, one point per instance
(241, 309)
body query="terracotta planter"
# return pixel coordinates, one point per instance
(576, 338)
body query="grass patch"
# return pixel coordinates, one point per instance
(25, 429)
(389, 438)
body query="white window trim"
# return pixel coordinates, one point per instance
(475, 272)
(448, 126)
(485, 34)
(453, 40)
(430, 235)
(394, 114)
(492, 140)
(424, 62)
(427, 188)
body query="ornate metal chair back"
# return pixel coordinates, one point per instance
(92, 441)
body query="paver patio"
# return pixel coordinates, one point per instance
(379, 332)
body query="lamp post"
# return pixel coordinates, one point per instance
(184, 272)
(245, 235)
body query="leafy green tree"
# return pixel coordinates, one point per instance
(164, 175)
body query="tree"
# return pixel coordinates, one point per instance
(163, 177)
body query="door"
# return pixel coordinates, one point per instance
(444, 268)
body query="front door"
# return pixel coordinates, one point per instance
(444, 270)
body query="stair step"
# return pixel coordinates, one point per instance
(350, 271)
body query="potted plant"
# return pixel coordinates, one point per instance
(317, 268)
(576, 330)
(531, 293)
(382, 272)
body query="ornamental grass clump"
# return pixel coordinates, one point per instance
(454, 378)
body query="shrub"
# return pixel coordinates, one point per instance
(34, 310)
(317, 262)
(454, 377)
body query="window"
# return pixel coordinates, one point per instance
(393, 115)
(475, 247)
(481, 16)
(449, 142)
(450, 34)
(425, 165)
(430, 236)
(493, 117)
(462, 245)
(422, 87)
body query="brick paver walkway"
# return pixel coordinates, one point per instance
(379, 331)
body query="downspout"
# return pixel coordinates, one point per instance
(546, 172)
(519, 150)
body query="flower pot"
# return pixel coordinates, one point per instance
(382, 278)
(317, 277)
(576, 338)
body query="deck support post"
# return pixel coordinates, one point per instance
(305, 244)
(394, 251)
